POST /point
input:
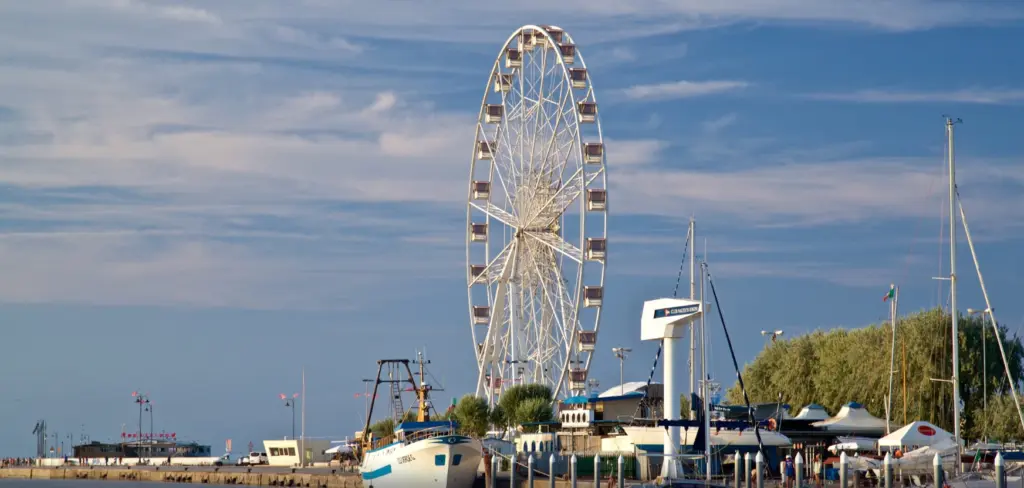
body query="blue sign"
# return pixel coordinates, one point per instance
(672, 312)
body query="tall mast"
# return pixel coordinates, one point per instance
(952, 287)
(892, 358)
(693, 326)
(705, 380)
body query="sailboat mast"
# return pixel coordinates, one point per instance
(892, 358)
(952, 286)
(693, 296)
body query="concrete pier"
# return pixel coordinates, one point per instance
(226, 477)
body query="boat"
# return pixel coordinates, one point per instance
(424, 452)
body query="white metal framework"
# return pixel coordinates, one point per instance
(536, 218)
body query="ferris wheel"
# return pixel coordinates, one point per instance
(536, 237)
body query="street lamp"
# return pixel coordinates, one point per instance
(290, 403)
(142, 400)
(621, 353)
(984, 362)
(773, 335)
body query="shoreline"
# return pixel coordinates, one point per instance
(183, 475)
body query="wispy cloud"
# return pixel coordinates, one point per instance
(682, 89)
(970, 95)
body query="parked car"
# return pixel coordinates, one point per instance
(258, 458)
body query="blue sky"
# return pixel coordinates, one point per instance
(200, 198)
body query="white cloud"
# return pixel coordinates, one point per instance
(994, 96)
(682, 89)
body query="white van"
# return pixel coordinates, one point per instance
(257, 458)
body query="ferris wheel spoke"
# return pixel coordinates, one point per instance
(495, 268)
(497, 213)
(558, 244)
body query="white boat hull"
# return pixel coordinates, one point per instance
(443, 462)
(719, 438)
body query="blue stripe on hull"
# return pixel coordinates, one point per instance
(377, 473)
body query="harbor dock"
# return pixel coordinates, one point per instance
(222, 476)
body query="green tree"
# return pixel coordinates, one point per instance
(534, 410)
(834, 367)
(684, 406)
(518, 395)
(472, 415)
(383, 428)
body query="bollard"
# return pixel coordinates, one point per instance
(551, 470)
(597, 471)
(1000, 471)
(512, 461)
(843, 482)
(494, 472)
(529, 473)
(572, 471)
(746, 470)
(937, 470)
(799, 471)
(887, 469)
(622, 472)
(759, 461)
(782, 472)
(736, 468)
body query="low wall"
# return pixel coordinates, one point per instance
(181, 476)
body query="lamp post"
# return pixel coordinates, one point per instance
(290, 403)
(773, 335)
(143, 401)
(984, 362)
(621, 353)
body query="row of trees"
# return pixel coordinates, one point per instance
(518, 405)
(834, 367)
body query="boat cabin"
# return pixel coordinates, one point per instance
(593, 152)
(596, 248)
(513, 58)
(588, 111)
(578, 77)
(597, 200)
(485, 149)
(502, 82)
(481, 190)
(409, 432)
(481, 315)
(593, 296)
(588, 340)
(478, 232)
(568, 53)
(493, 113)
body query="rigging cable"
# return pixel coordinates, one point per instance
(657, 355)
(735, 365)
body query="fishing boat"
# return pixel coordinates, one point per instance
(424, 452)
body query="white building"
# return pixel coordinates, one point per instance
(286, 452)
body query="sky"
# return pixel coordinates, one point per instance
(202, 198)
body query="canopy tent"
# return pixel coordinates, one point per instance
(853, 418)
(812, 412)
(339, 449)
(853, 444)
(919, 433)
